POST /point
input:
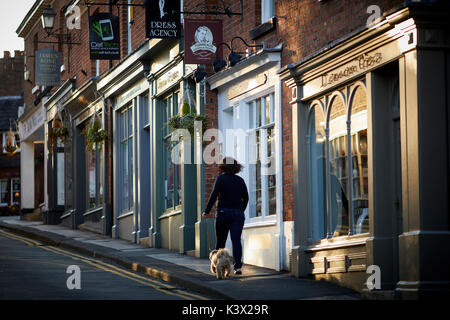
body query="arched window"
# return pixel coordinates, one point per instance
(338, 168)
(317, 168)
(360, 186)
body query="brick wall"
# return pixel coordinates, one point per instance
(11, 74)
(75, 57)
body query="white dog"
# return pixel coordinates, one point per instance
(222, 264)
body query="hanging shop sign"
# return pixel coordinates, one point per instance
(48, 68)
(201, 41)
(162, 19)
(104, 37)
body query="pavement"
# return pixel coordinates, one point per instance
(192, 273)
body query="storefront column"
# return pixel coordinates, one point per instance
(301, 198)
(382, 244)
(202, 242)
(27, 176)
(424, 122)
(189, 197)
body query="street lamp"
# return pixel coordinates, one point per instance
(48, 18)
(48, 22)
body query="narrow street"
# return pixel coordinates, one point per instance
(32, 270)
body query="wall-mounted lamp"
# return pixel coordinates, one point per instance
(218, 63)
(48, 22)
(199, 75)
(48, 19)
(234, 57)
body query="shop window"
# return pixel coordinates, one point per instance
(262, 173)
(94, 158)
(172, 171)
(4, 192)
(15, 191)
(126, 159)
(338, 171)
(317, 169)
(68, 168)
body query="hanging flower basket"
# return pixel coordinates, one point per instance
(187, 117)
(94, 135)
(57, 131)
(11, 144)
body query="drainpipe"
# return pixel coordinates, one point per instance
(282, 242)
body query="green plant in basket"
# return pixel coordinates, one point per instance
(94, 135)
(186, 120)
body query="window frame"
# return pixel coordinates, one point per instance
(4, 204)
(174, 96)
(97, 152)
(261, 127)
(325, 102)
(123, 137)
(12, 191)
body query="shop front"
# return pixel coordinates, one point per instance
(89, 203)
(148, 187)
(58, 155)
(249, 117)
(32, 180)
(368, 191)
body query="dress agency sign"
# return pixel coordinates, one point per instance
(202, 39)
(48, 68)
(162, 19)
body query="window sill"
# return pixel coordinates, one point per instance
(124, 215)
(67, 214)
(170, 214)
(263, 28)
(260, 224)
(91, 211)
(338, 242)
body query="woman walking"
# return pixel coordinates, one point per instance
(233, 198)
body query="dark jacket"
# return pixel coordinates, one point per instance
(231, 191)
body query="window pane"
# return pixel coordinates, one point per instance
(130, 121)
(178, 184)
(145, 110)
(338, 178)
(123, 126)
(271, 170)
(359, 162)
(258, 186)
(125, 177)
(100, 176)
(4, 191)
(91, 178)
(268, 111)
(16, 190)
(60, 178)
(175, 104)
(317, 173)
(258, 113)
(166, 114)
(130, 161)
(169, 179)
(251, 115)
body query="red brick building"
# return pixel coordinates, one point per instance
(306, 90)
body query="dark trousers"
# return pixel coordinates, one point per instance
(230, 220)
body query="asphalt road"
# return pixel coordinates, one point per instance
(31, 270)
